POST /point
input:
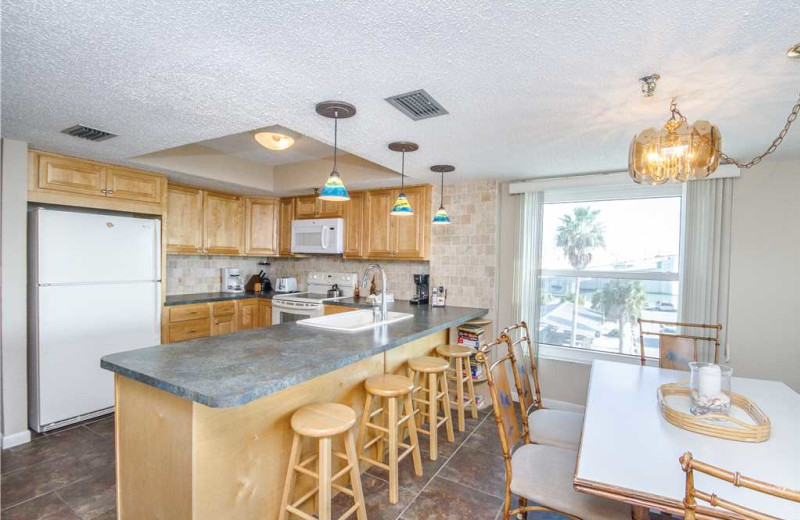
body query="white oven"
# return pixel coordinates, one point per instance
(322, 236)
(285, 311)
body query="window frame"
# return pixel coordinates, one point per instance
(589, 195)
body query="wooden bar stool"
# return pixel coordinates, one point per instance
(436, 370)
(455, 356)
(323, 421)
(393, 388)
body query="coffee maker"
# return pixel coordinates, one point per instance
(422, 282)
(232, 280)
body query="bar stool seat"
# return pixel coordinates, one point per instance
(428, 364)
(454, 351)
(389, 385)
(323, 420)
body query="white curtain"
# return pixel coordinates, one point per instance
(527, 259)
(706, 251)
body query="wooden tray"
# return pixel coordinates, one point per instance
(716, 425)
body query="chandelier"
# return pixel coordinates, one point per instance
(676, 152)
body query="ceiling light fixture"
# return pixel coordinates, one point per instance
(682, 152)
(334, 188)
(441, 216)
(794, 52)
(401, 206)
(274, 140)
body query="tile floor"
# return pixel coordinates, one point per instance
(69, 475)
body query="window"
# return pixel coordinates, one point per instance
(604, 264)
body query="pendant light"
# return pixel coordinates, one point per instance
(401, 206)
(334, 188)
(441, 216)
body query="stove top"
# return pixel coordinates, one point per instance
(308, 297)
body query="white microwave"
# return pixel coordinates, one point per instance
(322, 236)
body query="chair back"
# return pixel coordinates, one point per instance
(511, 423)
(692, 494)
(676, 350)
(526, 364)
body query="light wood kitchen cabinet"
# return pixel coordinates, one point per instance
(186, 322)
(247, 314)
(407, 236)
(287, 212)
(264, 313)
(261, 226)
(223, 318)
(311, 206)
(354, 225)
(223, 219)
(337, 309)
(122, 183)
(184, 219)
(57, 179)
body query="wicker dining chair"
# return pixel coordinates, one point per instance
(534, 472)
(690, 465)
(677, 350)
(552, 426)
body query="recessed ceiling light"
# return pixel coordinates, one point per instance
(274, 141)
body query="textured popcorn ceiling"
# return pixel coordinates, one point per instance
(533, 88)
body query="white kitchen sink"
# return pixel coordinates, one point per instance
(354, 321)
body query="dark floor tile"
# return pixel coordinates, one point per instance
(108, 515)
(446, 448)
(103, 427)
(446, 500)
(485, 438)
(71, 441)
(47, 507)
(477, 469)
(56, 472)
(408, 479)
(376, 496)
(92, 496)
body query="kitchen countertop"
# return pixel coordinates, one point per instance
(234, 369)
(186, 299)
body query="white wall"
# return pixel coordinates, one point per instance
(14, 291)
(764, 307)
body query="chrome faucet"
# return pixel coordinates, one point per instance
(377, 315)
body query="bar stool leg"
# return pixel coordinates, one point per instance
(324, 472)
(448, 417)
(412, 436)
(393, 452)
(291, 476)
(362, 428)
(355, 475)
(460, 393)
(433, 415)
(471, 389)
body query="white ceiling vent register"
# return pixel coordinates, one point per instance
(85, 132)
(417, 105)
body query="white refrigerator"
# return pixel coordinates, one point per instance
(94, 289)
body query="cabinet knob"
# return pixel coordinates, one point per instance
(103, 191)
(110, 192)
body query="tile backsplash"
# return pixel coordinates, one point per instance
(189, 274)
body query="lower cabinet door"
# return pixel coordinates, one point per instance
(191, 329)
(223, 325)
(247, 314)
(265, 313)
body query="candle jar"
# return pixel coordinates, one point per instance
(710, 388)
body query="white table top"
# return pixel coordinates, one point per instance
(627, 445)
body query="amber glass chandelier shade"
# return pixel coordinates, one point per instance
(274, 141)
(677, 152)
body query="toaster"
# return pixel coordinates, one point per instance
(286, 284)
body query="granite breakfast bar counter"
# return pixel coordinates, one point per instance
(202, 426)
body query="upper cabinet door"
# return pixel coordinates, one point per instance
(132, 185)
(306, 207)
(261, 232)
(73, 176)
(184, 219)
(411, 234)
(354, 225)
(330, 208)
(285, 226)
(224, 223)
(378, 225)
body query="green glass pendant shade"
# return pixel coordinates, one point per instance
(441, 217)
(401, 206)
(334, 189)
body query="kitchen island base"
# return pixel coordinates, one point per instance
(181, 460)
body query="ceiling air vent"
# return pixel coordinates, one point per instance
(417, 105)
(84, 132)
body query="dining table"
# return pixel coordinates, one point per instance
(629, 452)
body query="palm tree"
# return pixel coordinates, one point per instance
(620, 300)
(577, 236)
